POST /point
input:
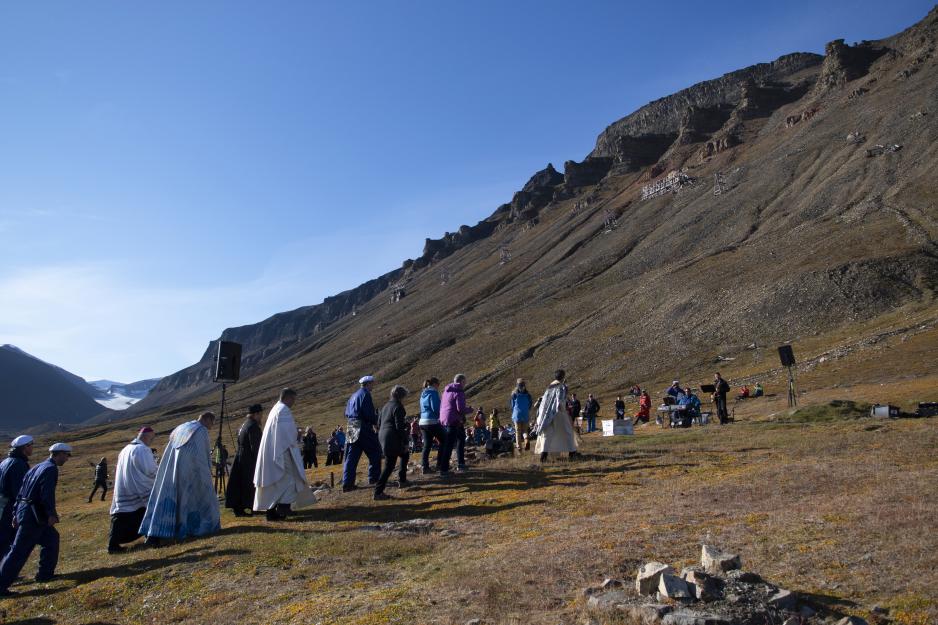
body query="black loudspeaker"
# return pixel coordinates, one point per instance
(786, 355)
(228, 362)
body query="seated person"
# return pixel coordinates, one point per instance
(635, 391)
(743, 392)
(691, 405)
(644, 408)
(759, 391)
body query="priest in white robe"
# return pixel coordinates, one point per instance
(554, 428)
(133, 481)
(279, 476)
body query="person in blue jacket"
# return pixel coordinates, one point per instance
(692, 407)
(36, 517)
(362, 435)
(12, 471)
(430, 423)
(521, 414)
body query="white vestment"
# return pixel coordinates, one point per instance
(554, 428)
(133, 477)
(279, 476)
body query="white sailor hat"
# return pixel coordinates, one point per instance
(366, 379)
(21, 441)
(60, 447)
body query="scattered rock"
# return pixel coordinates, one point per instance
(879, 610)
(715, 561)
(671, 586)
(702, 586)
(783, 600)
(647, 613)
(589, 591)
(474, 621)
(687, 617)
(606, 600)
(792, 620)
(414, 526)
(646, 583)
(610, 583)
(851, 620)
(745, 577)
(449, 533)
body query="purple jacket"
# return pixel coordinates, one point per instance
(453, 408)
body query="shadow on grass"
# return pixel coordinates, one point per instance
(835, 606)
(406, 511)
(130, 569)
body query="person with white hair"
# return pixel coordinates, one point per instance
(133, 480)
(12, 471)
(393, 434)
(279, 476)
(362, 435)
(36, 516)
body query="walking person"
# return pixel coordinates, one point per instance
(240, 493)
(592, 409)
(554, 432)
(392, 433)
(453, 413)
(100, 478)
(12, 471)
(362, 435)
(310, 443)
(430, 424)
(720, 389)
(279, 478)
(133, 480)
(35, 517)
(521, 414)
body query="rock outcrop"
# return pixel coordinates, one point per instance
(843, 63)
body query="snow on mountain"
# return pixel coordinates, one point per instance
(119, 396)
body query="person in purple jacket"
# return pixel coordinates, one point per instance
(453, 411)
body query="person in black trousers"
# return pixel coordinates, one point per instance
(392, 434)
(310, 443)
(100, 479)
(720, 389)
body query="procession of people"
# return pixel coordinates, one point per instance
(175, 498)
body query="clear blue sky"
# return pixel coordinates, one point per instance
(169, 169)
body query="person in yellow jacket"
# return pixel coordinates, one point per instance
(494, 423)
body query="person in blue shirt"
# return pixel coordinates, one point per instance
(692, 407)
(340, 438)
(430, 423)
(362, 436)
(12, 471)
(521, 414)
(36, 516)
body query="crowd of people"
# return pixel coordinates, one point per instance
(175, 498)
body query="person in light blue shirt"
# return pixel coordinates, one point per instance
(430, 423)
(691, 404)
(521, 414)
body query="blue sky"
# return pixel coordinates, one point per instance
(171, 169)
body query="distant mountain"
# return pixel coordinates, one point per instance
(33, 392)
(119, 396)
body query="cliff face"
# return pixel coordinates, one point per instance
(786, 249)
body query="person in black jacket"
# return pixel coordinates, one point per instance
(310, 443)
(239, 496)
(100, 478)
(721, 388)
(392, 433)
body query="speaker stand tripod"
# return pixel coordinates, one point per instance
(792, 397)
(221, 462)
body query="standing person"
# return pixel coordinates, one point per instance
(721, 388)
(12, 471)
(644, 408)
(554, 433)
(430, 424)
(495, 423)
(183, 500)
(573, 408)
(453, 413)
(100, 478)
(279, 477)
(592, 409)
(239, 496)
(35, 516)
(333, 451)
(521, 414)
(310, 443)
(362, 435)
(392, 433)
(342, 439)
(620, 408)
(133, 480)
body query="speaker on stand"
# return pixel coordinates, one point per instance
(227, 371)
(787, 355)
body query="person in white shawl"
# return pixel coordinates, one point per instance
(133, 481)
(279, 476)
(553, 428)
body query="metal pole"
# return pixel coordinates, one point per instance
(792, 397)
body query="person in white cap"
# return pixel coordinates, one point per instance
(362, 435)
(279, 476)
(36, 517)
(12, 470)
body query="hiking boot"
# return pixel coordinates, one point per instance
(381, 497)
(427, 471)
(462, 468)
(41, 579)
(543, 456)
(347, 488)
(116, 549)
(404, 483)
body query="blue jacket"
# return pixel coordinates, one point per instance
(361, 407)
(429, 406)
(12, 471)
(520, 406)
(692, 402)
(38, 491)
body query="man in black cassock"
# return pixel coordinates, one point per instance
(239, 495)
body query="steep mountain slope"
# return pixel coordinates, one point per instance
(808, 206)
(35, 392)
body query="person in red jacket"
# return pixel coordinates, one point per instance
(644, 408)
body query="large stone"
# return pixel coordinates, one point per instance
(689, 617)
(745, 577)
(703, 586)
(609, 584)
(673, 587)
(783, 600)
(646, 582)
(648, 613)
(715, 561)
(606, 600)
